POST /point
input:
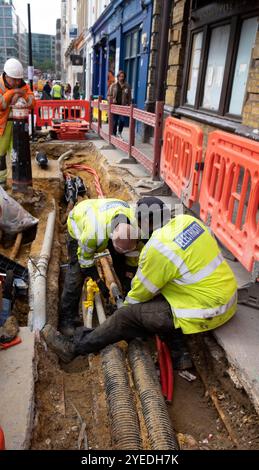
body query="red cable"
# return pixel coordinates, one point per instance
(82, 167)
(170, 373)
(162, 366)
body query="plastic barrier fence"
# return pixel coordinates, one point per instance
(181, 159)
(229, 198)
(47, 110)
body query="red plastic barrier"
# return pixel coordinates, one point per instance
(229, 197)
(47, 110)
(181, 159)
(70, 130)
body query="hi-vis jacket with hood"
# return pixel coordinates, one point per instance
(182, 261)
(6, 95)
(90, 223)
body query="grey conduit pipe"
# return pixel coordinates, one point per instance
(123, 415)
(40, 276)
(158, 423)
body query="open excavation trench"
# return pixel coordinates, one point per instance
(111, 399)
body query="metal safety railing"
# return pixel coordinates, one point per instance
(155, 120)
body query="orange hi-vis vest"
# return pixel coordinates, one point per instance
(6, 96)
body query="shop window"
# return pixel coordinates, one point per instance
(246, 42)
(194, 68)
(217, 66)
(131, 60)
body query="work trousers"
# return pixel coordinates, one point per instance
(74, 281)
(129, 322)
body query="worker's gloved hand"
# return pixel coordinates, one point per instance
(103, 289)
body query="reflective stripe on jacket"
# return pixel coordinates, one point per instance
(90, 223)
(6, 96)
(182, 261)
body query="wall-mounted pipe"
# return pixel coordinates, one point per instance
(40, 275)
(161, 433)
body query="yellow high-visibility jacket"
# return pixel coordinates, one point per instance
(90, 223)
(182, 261)
(57, 91)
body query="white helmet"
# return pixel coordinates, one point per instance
(13, 68)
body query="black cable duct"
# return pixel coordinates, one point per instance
(161, 433)
(123, 415)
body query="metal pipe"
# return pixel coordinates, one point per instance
(40, 282)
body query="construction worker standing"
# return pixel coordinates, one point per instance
(94, 225)
(57, 91)
(12, 87)
(182, 282)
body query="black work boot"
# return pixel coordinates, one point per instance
(179, 351)
(62, 346)
(67, 329)
(181, 360)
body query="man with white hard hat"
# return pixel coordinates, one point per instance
(12, 88)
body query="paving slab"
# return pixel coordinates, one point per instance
(17, 373)
(136, 170)
(242, 275)
(113, 156)
(240, 340)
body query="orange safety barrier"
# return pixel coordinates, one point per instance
(73, 130)
(181, 159)
(229, 198)
(47, 110)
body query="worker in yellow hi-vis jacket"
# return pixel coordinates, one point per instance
(91, 227)
(182, 282)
